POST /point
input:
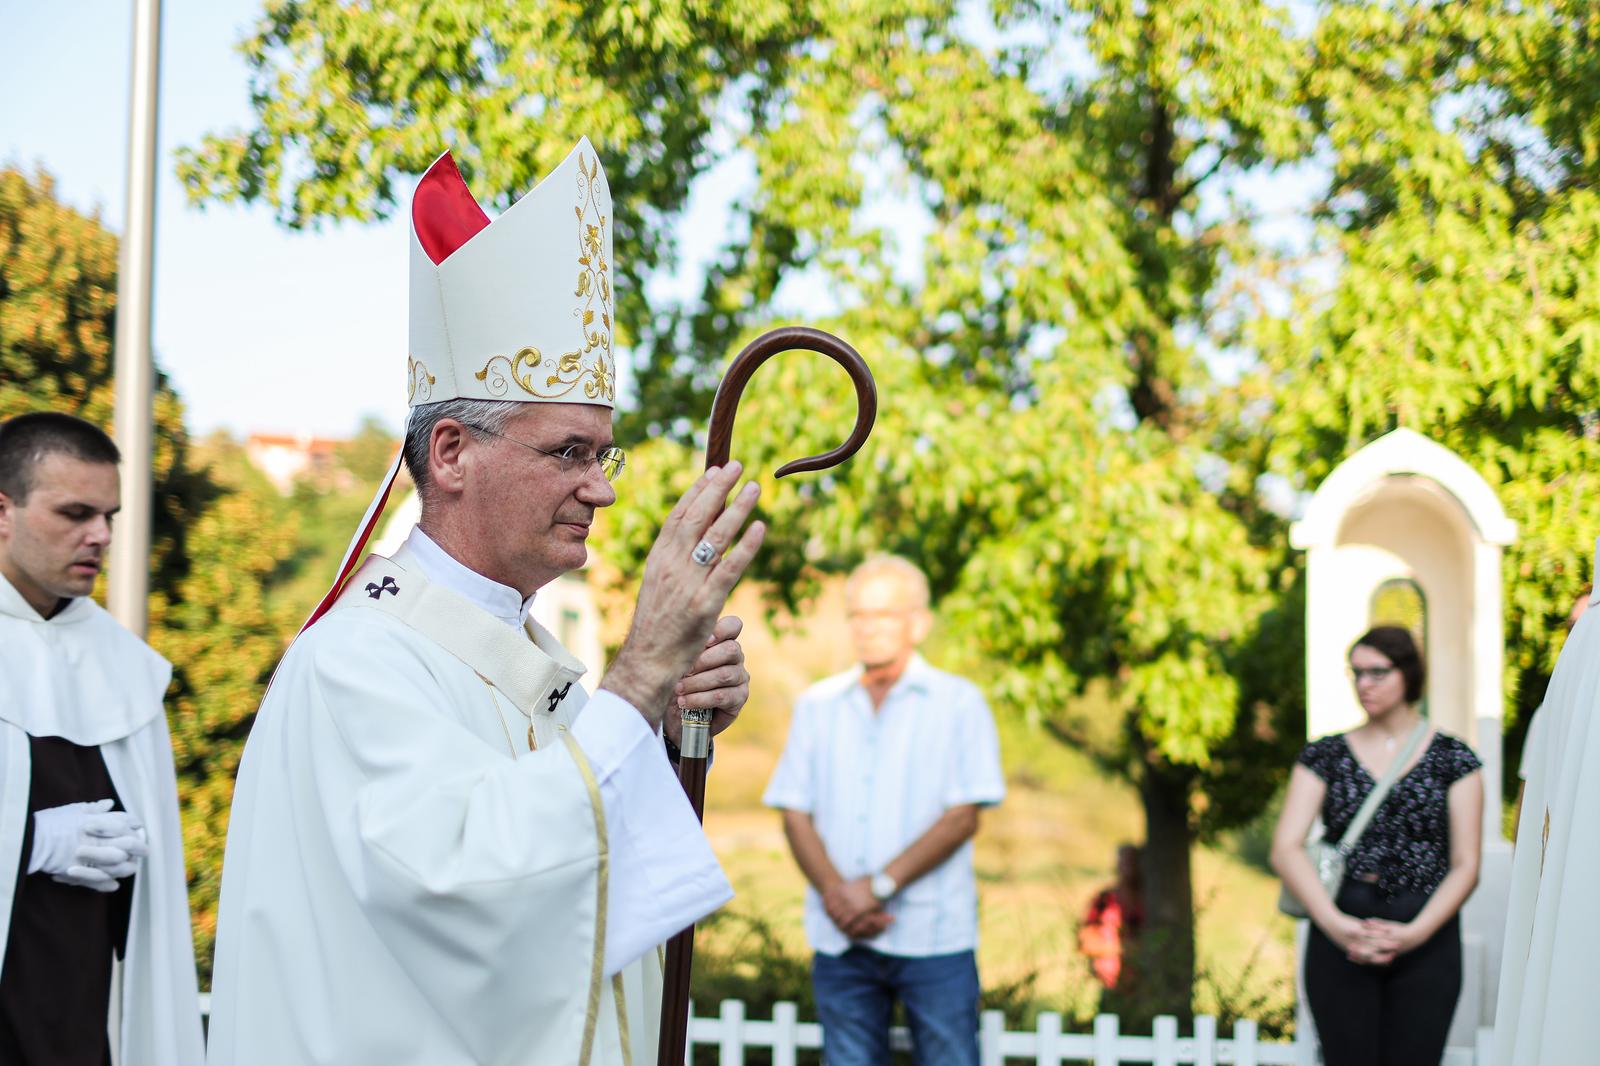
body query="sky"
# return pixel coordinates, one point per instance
(259, 328)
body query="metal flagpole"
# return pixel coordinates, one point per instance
(128, 592)
(695, 743)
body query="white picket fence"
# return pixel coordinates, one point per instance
(732, 1034)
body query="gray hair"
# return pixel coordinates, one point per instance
(489, 415)
(898, 565)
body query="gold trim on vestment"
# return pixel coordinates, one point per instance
(597, 969)
(623, 1034)
(500, 715)
(533, 741)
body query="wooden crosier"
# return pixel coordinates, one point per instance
(695, 744)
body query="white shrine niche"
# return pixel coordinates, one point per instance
(1405, 527)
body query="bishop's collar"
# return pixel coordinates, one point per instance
(440, 567)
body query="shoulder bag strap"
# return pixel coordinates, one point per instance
(1380, 791)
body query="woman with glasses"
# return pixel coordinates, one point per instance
(1383, 960)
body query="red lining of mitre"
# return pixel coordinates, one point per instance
(443, 211)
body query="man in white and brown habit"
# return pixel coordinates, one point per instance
(442, 850)
(89, 832)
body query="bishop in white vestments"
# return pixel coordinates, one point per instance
(1546, 1010)
(442, 851)
(89, 825)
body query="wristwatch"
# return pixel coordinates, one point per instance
(882, 886)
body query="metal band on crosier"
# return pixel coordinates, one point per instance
(696, 740)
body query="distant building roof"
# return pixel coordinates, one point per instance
(283, 458)
(304, 443)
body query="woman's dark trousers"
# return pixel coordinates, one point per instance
(1394, 1015)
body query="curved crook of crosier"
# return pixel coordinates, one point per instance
(788, 338)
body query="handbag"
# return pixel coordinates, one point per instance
(1329, 859)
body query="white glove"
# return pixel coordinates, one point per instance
(87, 844)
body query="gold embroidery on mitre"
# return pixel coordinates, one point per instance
(499, 372)
(594, 284)
(590, 363)
(418, 380)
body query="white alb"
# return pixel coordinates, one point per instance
(1546, 1010)
(406, 882)
(82, 677)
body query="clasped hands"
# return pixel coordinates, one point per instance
(1374, 941)
(87, 844)
(852, 907)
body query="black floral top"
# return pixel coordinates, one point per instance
(1407, 843)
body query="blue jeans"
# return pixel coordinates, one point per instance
(855, 997)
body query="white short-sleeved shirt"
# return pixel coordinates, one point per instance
(874, 781)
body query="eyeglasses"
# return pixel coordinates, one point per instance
(574, 456)
(1358, 674)
(883, 614)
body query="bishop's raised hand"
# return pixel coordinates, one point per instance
(701, 552)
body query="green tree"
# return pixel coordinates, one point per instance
(1053, 446)
(367, 455)
(213, 547)
(1464, 142)
(1064, 465)
(328, 506)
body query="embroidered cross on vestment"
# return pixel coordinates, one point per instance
(375, 590)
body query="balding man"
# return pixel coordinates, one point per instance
(880, 785)
(88, 799)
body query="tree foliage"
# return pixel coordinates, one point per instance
(1052, 447)
(1057, 444)
(213, 548)
(1048, 427)
(1462, 215)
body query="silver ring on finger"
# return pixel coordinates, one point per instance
(705, 553)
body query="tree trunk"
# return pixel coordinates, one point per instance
(1166, 949)
(1164, 976)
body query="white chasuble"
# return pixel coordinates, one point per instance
(81, 676)
(406, 882)
(1546, 1010)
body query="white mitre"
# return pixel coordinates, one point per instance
(520, 308)
(517, 309)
